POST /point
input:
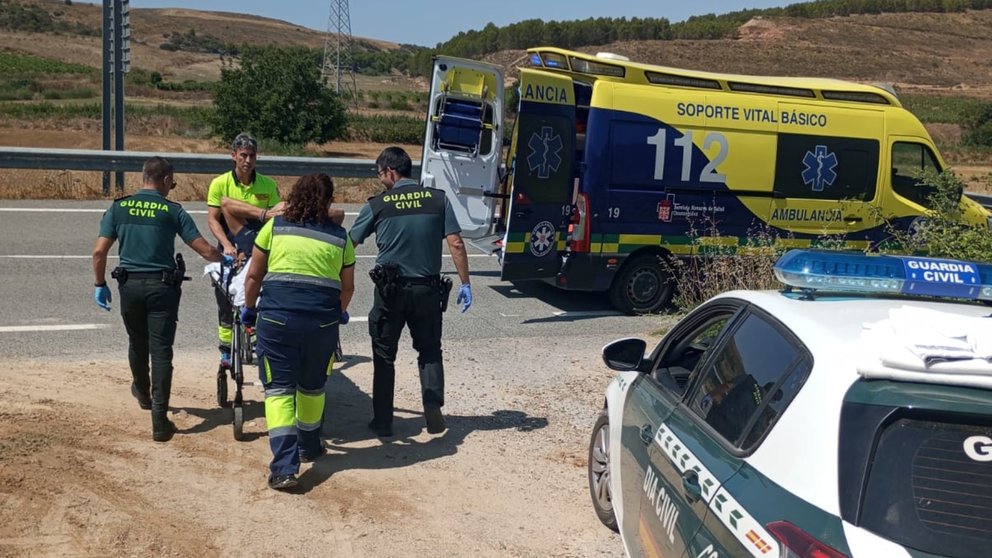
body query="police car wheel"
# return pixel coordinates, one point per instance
(643, 286)
(599, 471)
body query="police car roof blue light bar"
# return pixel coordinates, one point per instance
(815, 270)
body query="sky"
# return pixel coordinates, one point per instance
(427, 23)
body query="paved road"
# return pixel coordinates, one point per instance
(47, 309)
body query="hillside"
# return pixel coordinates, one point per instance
(940, 63)
(150, 28)
(948, 53)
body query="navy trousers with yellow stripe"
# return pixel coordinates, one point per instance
(296, 351)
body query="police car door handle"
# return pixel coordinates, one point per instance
(647, 433)
(690, 486)
(852, 219)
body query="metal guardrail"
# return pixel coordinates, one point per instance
(131, 161)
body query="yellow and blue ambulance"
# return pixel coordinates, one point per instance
(617, 168)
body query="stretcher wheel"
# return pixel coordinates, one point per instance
(239, 422)
(222, 388)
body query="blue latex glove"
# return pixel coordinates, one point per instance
(464, 296)
(228, 260)
(248, 316)
(102, 297)
(344, 317)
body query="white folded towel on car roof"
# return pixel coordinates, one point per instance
(918, 344)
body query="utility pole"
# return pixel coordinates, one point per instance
(116, 63)
(338, 46)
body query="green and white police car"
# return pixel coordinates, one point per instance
(849, 415)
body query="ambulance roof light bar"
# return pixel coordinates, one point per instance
(820, 270)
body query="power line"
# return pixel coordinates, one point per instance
(338, 67)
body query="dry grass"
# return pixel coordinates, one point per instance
(721, 265)
(85, 185)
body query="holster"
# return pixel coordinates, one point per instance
(444, 287)
(120, 274)
(386, 279)
(179, 274)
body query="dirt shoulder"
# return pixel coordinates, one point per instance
(79, 474)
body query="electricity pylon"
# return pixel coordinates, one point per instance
(338, 66)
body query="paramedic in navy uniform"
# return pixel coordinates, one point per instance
(409, 222)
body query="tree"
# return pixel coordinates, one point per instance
(278, 93)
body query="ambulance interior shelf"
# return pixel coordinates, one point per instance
(461, 123)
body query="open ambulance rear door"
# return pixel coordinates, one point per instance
(463, 140)
(542, 191)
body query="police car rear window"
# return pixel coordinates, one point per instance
(930, 487)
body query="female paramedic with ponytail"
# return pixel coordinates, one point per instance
(303, 264)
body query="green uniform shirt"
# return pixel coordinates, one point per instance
(262, 192)
(146, 225)
(409, 222)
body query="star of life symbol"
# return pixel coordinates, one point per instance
(545, 152)
(542, 239)
(820, 164)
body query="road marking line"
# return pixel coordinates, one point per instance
(587, 314)
(69, 327)
(356, 319)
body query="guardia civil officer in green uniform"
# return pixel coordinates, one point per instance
(303, 264)
(146, 224)
(409, 222)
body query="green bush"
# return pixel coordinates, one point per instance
(943, 231)
(278, 93)
(944, 110)
(74, 93)
(978, 132)
(20, 64)
(386, 129)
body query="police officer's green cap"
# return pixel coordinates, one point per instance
(244, 140)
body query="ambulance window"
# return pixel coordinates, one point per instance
(826, 168)
(750, 380)
(908, 161)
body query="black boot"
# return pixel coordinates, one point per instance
(435, 420)
(162, 427)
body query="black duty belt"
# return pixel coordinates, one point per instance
(148, 274)
(432, 280)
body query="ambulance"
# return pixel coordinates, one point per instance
(615, 169)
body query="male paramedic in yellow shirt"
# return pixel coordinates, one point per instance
(238, 203)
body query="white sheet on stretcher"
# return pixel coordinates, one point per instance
(237, 286)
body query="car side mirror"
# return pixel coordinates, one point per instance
(624, 354)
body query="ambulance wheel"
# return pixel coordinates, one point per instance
(643, 286)
(599, 472)
(239, 423)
